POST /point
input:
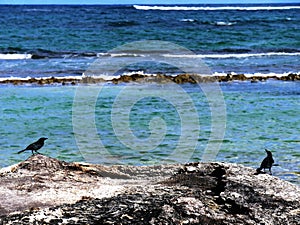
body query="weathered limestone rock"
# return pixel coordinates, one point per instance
(44, 190)
(140, 78)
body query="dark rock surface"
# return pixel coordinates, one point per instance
(43, 190)
(140, 78)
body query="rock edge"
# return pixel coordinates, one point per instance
(160, 78)
(43, 190)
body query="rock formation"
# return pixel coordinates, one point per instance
(44, 190)
(140, 78)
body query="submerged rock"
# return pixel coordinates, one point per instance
(44, 190)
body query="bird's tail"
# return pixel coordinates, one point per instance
(22, 151)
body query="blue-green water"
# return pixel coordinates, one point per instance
(64, 40)
(258, 116)
(149, 124)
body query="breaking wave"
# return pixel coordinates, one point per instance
(210, 8)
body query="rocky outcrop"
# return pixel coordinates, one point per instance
(140, 78)
(44, 190)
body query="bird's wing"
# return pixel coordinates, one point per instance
(264, 163)
(31, 146)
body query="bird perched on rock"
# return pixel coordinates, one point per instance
(35, 146)
(266, 163)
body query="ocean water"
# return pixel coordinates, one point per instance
(141, 124)
(66, 39)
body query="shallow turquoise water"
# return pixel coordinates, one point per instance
(150, 124)
(258, 116)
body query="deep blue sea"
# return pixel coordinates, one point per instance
(141, 124)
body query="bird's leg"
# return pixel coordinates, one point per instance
(38, 152)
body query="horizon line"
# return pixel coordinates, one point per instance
(274, 3)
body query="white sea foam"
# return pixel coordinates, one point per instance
(137, 72)
(237, 55)
(249, 75)
(101, 76)
(118, 55)
(37, 10)
(187, 20)
(15, 56)
(214, 56)
(13, 78)
(249, 8)
(221, 23)
(110, 77)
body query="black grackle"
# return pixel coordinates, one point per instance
(35, 146)
(266, 163)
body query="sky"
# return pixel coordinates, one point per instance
(143, 1)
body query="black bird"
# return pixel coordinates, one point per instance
(266, 163)
(35, 146)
